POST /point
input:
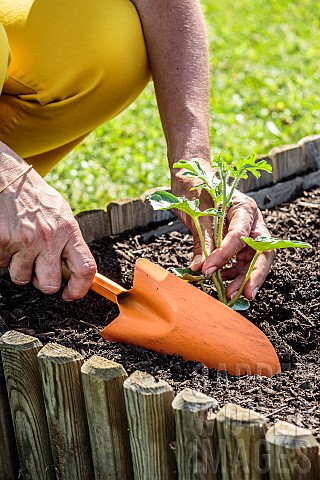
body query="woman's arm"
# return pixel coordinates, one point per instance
(176, 40)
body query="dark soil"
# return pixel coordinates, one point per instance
(286, 310)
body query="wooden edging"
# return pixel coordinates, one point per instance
(138, 429)
(295, 168)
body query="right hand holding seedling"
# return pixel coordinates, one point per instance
(244, 219)
(238, 234)
(38, 230)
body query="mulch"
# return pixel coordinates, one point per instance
(286, 309)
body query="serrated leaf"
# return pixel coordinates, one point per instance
(241, 304)
(250, 164)
(261, 244)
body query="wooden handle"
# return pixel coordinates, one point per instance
(66, 272)
(101, 285)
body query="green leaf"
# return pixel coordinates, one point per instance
(241, 304)
(195, 170)
(212, 212)
(261, 244)
(162, 200)
(193, 167)
(250, 164)
(189, 275)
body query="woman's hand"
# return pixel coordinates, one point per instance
(244, 219)
(38, 230)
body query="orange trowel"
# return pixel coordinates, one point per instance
(164, 313)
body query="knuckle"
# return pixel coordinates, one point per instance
(88, 269)
(223, 258)
(27, 239)
(47, 233)
(5, 240)
(235, 236)
(70, 227)
(251, 204)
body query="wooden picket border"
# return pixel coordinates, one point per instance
(86, 419)
(295, 168)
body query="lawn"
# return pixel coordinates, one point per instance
(264, 62)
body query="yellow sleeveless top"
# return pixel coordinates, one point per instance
(74, 65)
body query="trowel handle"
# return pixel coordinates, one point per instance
(102, 285)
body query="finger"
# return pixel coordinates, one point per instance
(234, 286)
(230, 246)
(257, 277)
(243, 259)
(82, 266)
(259, 273)
(242, 218)
(47, 273)
(21, 267)
(231, 273)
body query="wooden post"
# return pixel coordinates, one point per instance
(8, 455)
(241, 440)
(151, 426)
(287, 161)
(311, 150)
(107, 418)
(64, 401)
(196, 449)
(94, 224)
(293, 453)
(21, 370)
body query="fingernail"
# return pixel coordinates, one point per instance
(210, 270)
(254, 293)
(197, 260)
(234, 294)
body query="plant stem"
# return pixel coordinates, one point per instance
(198, 228)
(215, 232)
(221, 223)
(223, 290)
(203, 246)
(252, 264)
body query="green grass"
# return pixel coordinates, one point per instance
(264, 61)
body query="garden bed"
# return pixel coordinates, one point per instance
(286, 309)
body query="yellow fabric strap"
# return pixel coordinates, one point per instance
(26, 170)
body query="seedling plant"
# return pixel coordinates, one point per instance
(220, 183)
